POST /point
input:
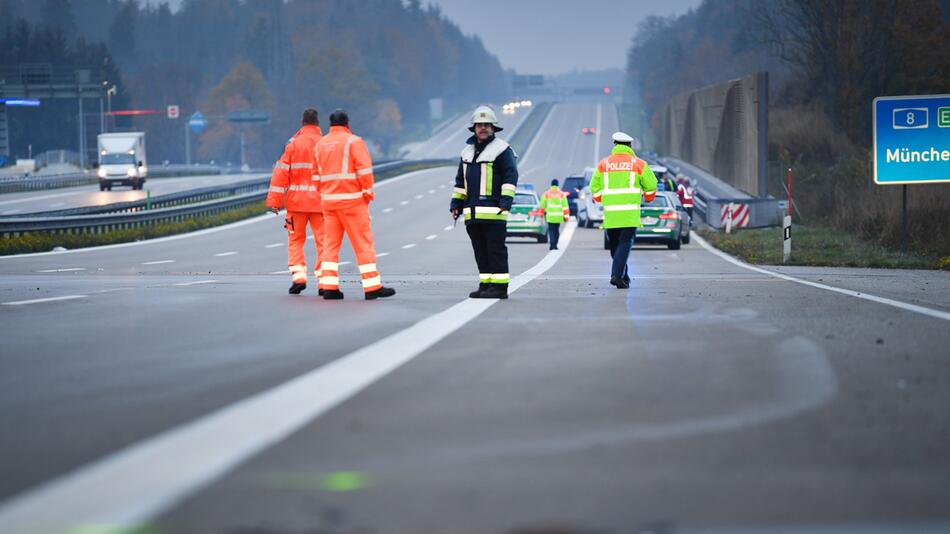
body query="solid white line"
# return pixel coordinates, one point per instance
(133, 485)
(57, 204)
(37, 301)
(198, 282)
(537, 134)
(285, 271)
(222, 254)
(410, 245)
(206, 231)
(598, 134)
(430, 237)
(857, 294)
(273, 245)
(67, 270)
(11, 212)
(448, 228)
(41, 197)
(157, 262)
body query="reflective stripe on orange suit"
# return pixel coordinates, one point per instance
(345, 172)
(292, 187)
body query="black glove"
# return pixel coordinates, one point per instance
(456, 204)
(505, 203)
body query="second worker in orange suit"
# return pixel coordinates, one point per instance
(345, 173)
(292, 186)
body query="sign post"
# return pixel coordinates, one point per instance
(196, 124)
(911, 144)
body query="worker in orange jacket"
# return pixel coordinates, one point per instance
(345, 174)
(292, 186)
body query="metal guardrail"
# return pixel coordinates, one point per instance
(34, 182)
(131, 215)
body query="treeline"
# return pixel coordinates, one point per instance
(827, 61)
(381, 59)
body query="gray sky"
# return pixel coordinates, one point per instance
(553, 36)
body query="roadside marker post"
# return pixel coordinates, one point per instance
(786, 238)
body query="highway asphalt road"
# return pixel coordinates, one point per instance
(89, 195)
(451, 135)
(175, 384)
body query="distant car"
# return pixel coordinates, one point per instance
(665, 221)
(572, 185)
(589, 213)
(527, 186)
(588, 131)
(525, 219)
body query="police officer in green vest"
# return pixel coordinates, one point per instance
(556, 211)
(619, 183)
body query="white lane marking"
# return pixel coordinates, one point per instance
(11, 212)
(418, 197)
(114, 289)
(222, 254)
(199, 282)
(41, 197)
(442, 186)
(449, 228)
(381, 254)
(432, 191)
(404, 202)
(206, 231)
(157, 262)
(410, 245)
(387, 210)
(430, 237)
(857, 294)
(345, 263)
(274, 245)
(66, 270)
(57, 204)
(285, 271)
(129, 487)
(38, 301)
(537, 135)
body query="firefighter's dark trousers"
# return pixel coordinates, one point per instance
(491, 252)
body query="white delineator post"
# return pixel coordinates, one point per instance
(729, 218)
(787, 238)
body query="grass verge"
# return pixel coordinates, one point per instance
(822, 247)
(44, 242)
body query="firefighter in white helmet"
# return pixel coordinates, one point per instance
(484, 191)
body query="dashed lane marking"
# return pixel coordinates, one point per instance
(157, 262)
(410, 245)
(387, 210)
(381, 254)
(285, 271)
(39, 301)
(432, 191)
(273, 245)
(431, 237)
(448, 228)
(404, 202)
(418, 197)
(66, 270)
(222, 254)
(199, 282)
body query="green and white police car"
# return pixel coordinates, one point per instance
(525, 219)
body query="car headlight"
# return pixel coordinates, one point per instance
(102, 172)
(131, 172)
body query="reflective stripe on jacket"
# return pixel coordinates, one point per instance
(485, 182)
(344, 169)
(554, 205)
(291, 184)
(620, 182)
(686, 198)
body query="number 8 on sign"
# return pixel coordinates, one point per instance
(910, 118)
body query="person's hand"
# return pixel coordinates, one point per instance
(456, 213)
(275, 211)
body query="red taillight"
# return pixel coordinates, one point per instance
(593, 130)
(535, 213)
(669, 215)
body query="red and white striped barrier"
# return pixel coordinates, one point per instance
(739, 214)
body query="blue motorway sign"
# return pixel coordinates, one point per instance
(911, 139)
(197, 122)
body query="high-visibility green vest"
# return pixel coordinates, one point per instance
(619, 184)
(554, 204)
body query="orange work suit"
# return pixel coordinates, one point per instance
(345, 173)
(292, 186)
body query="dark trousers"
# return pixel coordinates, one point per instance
(554, 232)
(488, 242)
(620, 240)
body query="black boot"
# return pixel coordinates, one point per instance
(332, 294)
(481, 287)
(620, 283)
(380, 293)
(494, 291)
(297, 287)
(626, 279)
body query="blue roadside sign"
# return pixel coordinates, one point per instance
(197, 122)
(911, 139)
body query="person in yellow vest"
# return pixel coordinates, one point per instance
(556, 211)
(620, 182)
